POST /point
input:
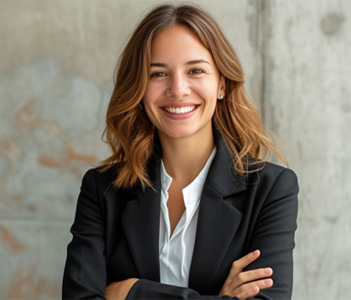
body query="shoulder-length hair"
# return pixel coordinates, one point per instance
(130, 133)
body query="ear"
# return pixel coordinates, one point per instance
(221, 88)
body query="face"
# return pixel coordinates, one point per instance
(184, 85)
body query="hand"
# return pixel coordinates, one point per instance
(249, 283)
(119, 290)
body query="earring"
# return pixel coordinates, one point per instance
(221, 96)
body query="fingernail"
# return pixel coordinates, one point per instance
(268, 282)
(256, 252)
(268, 271)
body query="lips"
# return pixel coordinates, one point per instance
(179, 110)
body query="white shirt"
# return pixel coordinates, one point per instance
(176, 251)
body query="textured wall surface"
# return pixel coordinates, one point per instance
(308, 103)
(56, 68)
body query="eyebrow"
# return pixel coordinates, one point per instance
(191, 62)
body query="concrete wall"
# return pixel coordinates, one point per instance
(307, 101)
(56, 69)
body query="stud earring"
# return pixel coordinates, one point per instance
(221, 96)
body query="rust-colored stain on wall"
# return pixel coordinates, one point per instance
(32, 208)
(64, 158)
(49, 161)
(27, 117)
(11, 150)
(10, 240)
(27, 284)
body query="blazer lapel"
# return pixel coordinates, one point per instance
(140, 221)
(219, 219)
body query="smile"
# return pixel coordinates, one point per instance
(180, 110)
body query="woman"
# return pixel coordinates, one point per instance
(185, 207)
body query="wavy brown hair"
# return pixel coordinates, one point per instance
(130, 133)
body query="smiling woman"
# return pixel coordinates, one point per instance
(186, 207)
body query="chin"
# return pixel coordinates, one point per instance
(177, 134)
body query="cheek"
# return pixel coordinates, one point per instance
(147, 97)
(149, 107)
(152, 93)
(148, 110)
(208, 87)
(210, 93)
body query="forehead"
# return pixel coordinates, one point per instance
(178, 43)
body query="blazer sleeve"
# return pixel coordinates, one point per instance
(273, 234)
(85, 269)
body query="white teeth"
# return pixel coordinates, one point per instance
(180, 110)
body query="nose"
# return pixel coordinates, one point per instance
(178, 86)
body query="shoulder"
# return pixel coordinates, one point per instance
(98, 174)
(99, 180)
(274, 183)
(274, 173)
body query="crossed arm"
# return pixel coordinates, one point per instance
(240, 284)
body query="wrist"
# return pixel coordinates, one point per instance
(119, 290)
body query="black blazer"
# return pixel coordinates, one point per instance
(116, 233)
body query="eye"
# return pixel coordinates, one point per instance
(157, 74)
(196, 72)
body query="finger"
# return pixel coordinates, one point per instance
(253, 288)
(253, 275)
(247, 259)
(243, 262)
(246, 277)
(249, 293)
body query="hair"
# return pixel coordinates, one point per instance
(130, 133)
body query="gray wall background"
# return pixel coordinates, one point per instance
(56, 67)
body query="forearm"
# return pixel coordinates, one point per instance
(147, 289)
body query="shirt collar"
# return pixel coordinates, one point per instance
(192, 192)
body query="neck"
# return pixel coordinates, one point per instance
(184, 158)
